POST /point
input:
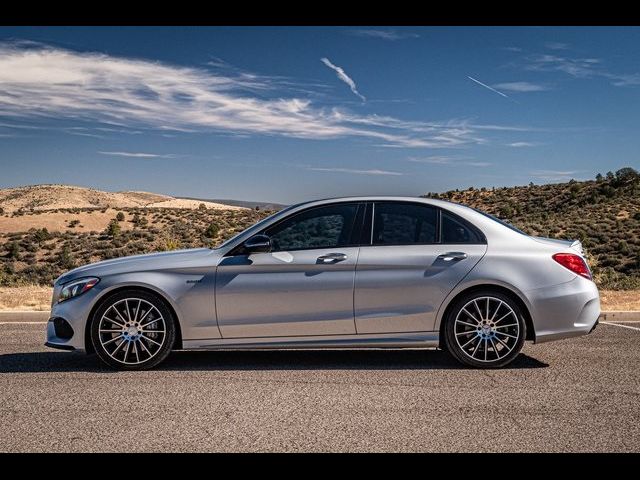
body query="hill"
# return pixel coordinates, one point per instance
(603, 213)
(55, 197)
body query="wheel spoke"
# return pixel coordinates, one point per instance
(135, 350)
(466, 323)
(152, 331)
(496, 310)
(119, 337)
(504, 316)
(459, 334)
(507, 326)
(119, 347)
(478, 309)
(151, 340)
(472, 316)
(485, 349)
(110, 331)
(135, 317)
(505, 345)
(506, 334)
(118, 314)
(114, 321)
(474, 338)
(495, 350)
(487, 308)
(473, 354)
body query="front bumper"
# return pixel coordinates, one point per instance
(74, 313)
(567, 310)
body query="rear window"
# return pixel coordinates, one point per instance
(456, 230)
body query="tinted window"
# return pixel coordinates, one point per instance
(404, 224)
(456, 230)
(322, 227)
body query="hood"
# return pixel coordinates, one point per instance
(573, 244)
(134, 263)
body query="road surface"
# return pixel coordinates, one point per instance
(573, 395)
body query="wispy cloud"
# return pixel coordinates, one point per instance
(487, 86)
(386, 34)
(355, 171)
(557, 46)
(344, 77)
(137, 154)
(554, 175)
(522, 144)
(512, 49)
(39, 81)
(580, 68)
(449, 160)
(521, 87)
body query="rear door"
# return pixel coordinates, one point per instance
(416, 255)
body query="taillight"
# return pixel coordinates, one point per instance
(573, 262)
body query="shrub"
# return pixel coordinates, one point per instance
(202, 207)
(120, 217)
(113, 229)
(212, 230)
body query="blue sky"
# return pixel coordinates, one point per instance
(288, 114)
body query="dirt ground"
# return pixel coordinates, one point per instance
(39, 299)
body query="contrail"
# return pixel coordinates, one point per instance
(344, 77)
(487, 86)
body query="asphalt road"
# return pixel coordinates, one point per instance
(574, 395)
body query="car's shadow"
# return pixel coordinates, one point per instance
(226, 360)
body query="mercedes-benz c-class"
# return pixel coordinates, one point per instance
(361, 272)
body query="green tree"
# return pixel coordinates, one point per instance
(113, 229)
(212, 230)
(599, 178)
(65, 259)
(120, 217)
(14, 250)
(610, 175)
(41, 235)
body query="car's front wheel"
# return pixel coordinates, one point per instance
(485, 329)
(133, 330)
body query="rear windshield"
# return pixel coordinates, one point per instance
(501, 222)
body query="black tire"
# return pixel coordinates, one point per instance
(146, 345)
(485, 343)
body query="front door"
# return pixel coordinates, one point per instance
(304, 286)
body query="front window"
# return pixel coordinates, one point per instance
(321, 227)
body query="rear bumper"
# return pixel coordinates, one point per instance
(567, 310)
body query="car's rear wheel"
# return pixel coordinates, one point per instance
(485, 329)
(133, 330)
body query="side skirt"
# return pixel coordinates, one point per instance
(385, 340)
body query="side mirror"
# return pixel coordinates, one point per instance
(259, 243)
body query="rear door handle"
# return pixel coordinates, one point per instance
(332, 258)
(451, 256)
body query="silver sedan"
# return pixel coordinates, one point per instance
(360, 272)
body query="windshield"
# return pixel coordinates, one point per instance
(501, 222)
(254, 227)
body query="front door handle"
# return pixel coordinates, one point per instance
(332, 258)
(451, 256)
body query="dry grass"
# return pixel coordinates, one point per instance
(92, 220)
(25, 298)
(622, 300)
(39, 299)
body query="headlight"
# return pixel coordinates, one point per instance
(77, 287)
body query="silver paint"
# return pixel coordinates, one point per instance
(377, 296)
